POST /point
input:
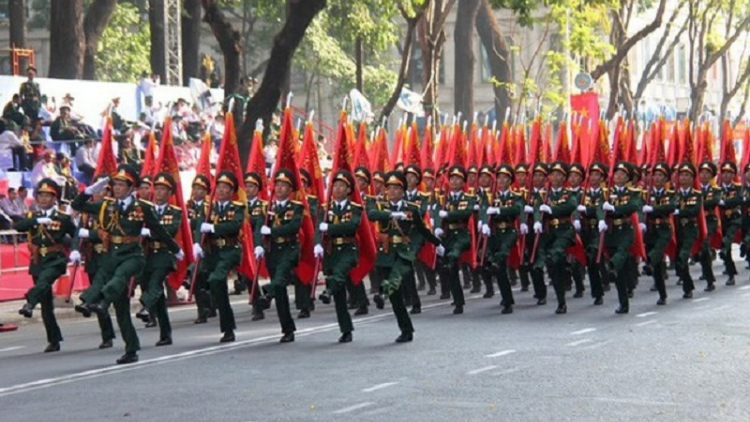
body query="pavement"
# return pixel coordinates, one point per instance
(687, 361)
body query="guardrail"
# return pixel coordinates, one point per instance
(15, 235)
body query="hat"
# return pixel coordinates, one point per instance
(146, 179)
(254, 178)
(541, 168)
(577, 168)
(201, 180)
(687, 167)
(522, 168)
(729, 166)
(228, 178)
(487, 169)
(48, 185)
(395, 178)
(305, 176)
(363, 173)
(378, 176)
(126, 173)
(457, 170)
(285, 175)
(69, 97)
(428, 173)
(344, 176)
(472, 169)
(10, 125)
(710, 166)
(663, 168)
(645, 169)
(165, 179)
(507, 170)
(600, 168)
(415, 170)
(64, 107)
(559, 166)
(624, 167)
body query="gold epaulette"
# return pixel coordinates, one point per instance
(239, 203)
(356, 205)
(312, 196)
(175, 207)
(414, 204)
(295, 202)
(698, 191)
(150, 204)
(470, 195)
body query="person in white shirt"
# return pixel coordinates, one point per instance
(68, 101)
(86, 159)
(9, 141)
(9, 205)
(45, 168)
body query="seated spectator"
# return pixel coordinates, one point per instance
(46, 168)
(10, 145)
(86, 159)
(48, 111)
(9, 205)
(70, 186)
(63, 129)
(23, 196)
(128, 153)
(14, 112)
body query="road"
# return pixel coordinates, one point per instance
(687, 361)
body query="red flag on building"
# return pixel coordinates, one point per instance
(586, 105)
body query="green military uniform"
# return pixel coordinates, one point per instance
(577, 269)
(535, 268)
(591, 204)
(481, 273)
(257, 209)
(686, 220)
(455, 211)
(46, 231)
(197, 212)
(711, 198)
(502, 224)
(31, 95)
(660, 204)
(730, 206)
(424, 270)
(357, 293)
(121, 222)
(745, 246)
(421, 200)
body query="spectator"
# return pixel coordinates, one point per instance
(46, 168)
(270, 153)
(23, 194)
(14, 112)
(9, 205)
(70, 184)
(217, 129)
(86, 159)
(67, 101)
(30, 95)
(63, 129)
(10, 144)
(129, 154)
(47, 112)
(146, 87)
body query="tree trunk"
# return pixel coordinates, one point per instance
(285, 43)
(229, 41)
(158, 38)
(431, 40)
(191, 34)
(465, 61)
(403, 71)
(498, 54)
(17, 19)
(66, 39)
(94, 24)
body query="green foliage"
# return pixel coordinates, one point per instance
(124, 48)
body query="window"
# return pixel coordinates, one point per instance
(670, 65)
(681, 64)
(4, 11)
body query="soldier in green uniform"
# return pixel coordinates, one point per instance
(145, 188)
(711, 198)
(121, 219)
(535, 267)
(220, 233)
(590, 209)
(257, 209)
(198, 207)
(159, 261)
(577, 173)
(521, 173)
(686, 215)
(340, 254)
(145, 192)
(369, 202)
(660, 204)
(730, 206)
(358, 294)
(745, 215)
(430, 275)
(47, 229)
(484, 197)
(302, 300)
(30, 96)
(553, 219)
(93, 251)
(452, 222)
(499, 217)
(397, 221)
(622, 201)
(283, 250)
(413, 175)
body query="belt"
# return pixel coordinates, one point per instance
(398, 239)
(99, 248)
(593, 222)
(222, 242)
(557, 221)
(46, 250)
(687, 220)
(284, 239)
(659, 221)
(157, 245)
(620, 221)
(117, 240)
(457, 226)
(505, 225)
(343, 240)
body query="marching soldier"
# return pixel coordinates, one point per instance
(369, 201)
(499, 218)
(340, 254)
(159, 261)
(121, 220)
(430, 275)
(521, 172)
(413, 176)
(455, 211)
(711, 198)
(730, 205)
(198, 207)
(46, 229)
(590, 207)
(302, 300)
(660, 204)
(484, 198)
(283, 250)
(398, 220)
(536, 267)
(257, 209)
(744, 247)
(690, 203)
(145, 188)
(577, 270)
(223, 248)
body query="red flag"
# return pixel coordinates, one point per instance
(379, 159)
(547, 142)
(745, 149)
(310, 162)
(442, 146)
(457, 158)
(503, 154)
(673, 150)
(361, 156)
(577, 153)
(167, 162)
(727, 143)
(587, 106)
(536, 149)
(630, 152)
(107, 162)
(600, 150)
(562, 151)
(257, 164)
(645, 144)
(427, 149)
(657, 144)
(519, 140)
(412, 154)
(149, 161)
(204, 162)
(397, 145)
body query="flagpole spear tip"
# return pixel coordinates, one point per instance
(507, 114)
(429, 121)
(343, 102)
(259, 125)
(458, 117)
(494, 125)
(385, 119)
(476, 115)
(289, 99)
(311, 115)
(464, 125)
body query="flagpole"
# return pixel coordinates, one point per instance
(256, 279)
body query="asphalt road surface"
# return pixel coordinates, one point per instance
(687, 361)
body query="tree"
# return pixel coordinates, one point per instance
(431, 32)
(66, 39)
(191, 34)
(729, 87)
(17, 19)
(498, 54)
(122, 51)
(97, 17)
(465, 61)
(229, 40)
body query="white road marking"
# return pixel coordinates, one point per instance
(701, 299)
(645, 314)
(721, 308)
(596, 345)
(480, 370)
(10, 349)
(353, 408)
(746, 295)
(744, 287)
(643, 324)
(584, 331)
(498, 354)
(378, 387)
(579, 342)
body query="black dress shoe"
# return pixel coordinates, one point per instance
(263, 302)
(598, 301)
(710, 288)
(458, 310)
(561, 309)
(702, 277)
(325, 297)
(362, 311)
(105, 344)
(405, 338)
(346, 338)
(630, 294)
(305, 313)
(151, 323)
(445, 296)
(26, 310)
(416, 310)
(524, 288)
(257, 316)
(541, 301)
(200, 320)
(228, 337)
(687, 295)
(475, 290)
(622, 310)
(379, 302)
(578, 294)
(83, 309)
(130, 357)
(488, 295)
(730, 282)
(287, 338)
(662, 301)
(507, 309)
(212, 313)
(143, 315)
(52, 347)
(352, 305)
(97, 308)
(167, 341)
(431, 292)
(421, 287)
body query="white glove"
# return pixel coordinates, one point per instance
(643, 227)
(443, 213)
(721, 202)
(432, 222)
(265, 230)
(485, 230)
(323, 227)
(259, 252)
(197, 251)
(83, 233)
(145, 232)
(440, 250)
(75, 257)
(602, 226)
(97, 187)
(528, 209)
(318, 251)
(577, 225)
(524, 229)
(538, 227)
(476, 207)
(677, 211)
(398, 215)
(608, 207)
(439, 232)
(493, 211)
(180, 255)
(582, 208)
(207, 228)
(545, 209)
(648, 209)
(44, 220)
